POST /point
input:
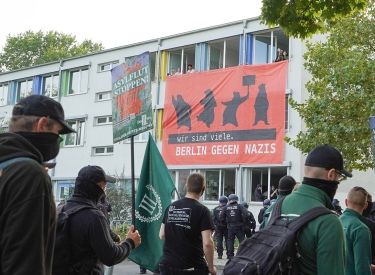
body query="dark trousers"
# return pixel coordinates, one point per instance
(247, 231)
(233, 232)
(167, 270)
(221, 233)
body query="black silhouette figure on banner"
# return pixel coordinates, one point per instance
(208, 114)
(261, 105)
(230, 112)
(183, 112)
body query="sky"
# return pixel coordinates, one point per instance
(120, 22)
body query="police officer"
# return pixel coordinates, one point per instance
(221, 229)
(250, 223)
(235, 215)
(266, 205)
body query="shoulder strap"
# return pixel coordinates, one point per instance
(10, 161)
(298, 222)
(308, 216)
(75, 209)
(276, 211)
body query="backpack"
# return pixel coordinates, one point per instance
(272, 250)
(62, 254)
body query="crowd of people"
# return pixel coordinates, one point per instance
(329, 244)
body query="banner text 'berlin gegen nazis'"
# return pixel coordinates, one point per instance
(230, 116)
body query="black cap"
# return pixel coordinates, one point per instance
(286, 185)
(327, 157)
(43, 106)
(95, 174)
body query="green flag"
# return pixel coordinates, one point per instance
(153, 196)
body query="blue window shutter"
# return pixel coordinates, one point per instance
(12, 93)
(249, 49)
(37, 84)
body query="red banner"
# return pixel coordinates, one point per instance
(227, 116)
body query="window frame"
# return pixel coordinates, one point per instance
(80, 132)
(53, 76)
(111, 65)
(108, 120)
(105, 153)
(18, 89)
(109, 93)
(4, 89)
(80, 70)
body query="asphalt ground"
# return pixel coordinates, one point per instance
(127, 267)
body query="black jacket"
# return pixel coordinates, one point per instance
(27, 210)
(233, 214)
(92, 242)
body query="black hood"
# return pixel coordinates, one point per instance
(13, 145)
(88, 190)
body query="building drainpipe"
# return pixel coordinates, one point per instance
(156, 112)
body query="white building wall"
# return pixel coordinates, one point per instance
(71, 159)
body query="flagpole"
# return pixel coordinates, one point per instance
(133, 178)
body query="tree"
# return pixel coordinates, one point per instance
(342, 96)
(33, 48)
(302, 18)
(3, 122)
(120, 198)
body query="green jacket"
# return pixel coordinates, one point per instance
(268, 212)
(358, 243)
(321, 243)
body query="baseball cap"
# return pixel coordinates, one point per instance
(266, 202)
(286, 185)
(327, 157)
(95, 174)
(259, 185)
(43, 106)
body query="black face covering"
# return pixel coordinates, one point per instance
(48, 144)
(327, 186)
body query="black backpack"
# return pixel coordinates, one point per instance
(62, 255)
(272, 250)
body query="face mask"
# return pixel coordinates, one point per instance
(327, 186)
(47, 143)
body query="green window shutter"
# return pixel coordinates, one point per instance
(64, 83)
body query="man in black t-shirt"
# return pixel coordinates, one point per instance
(186, 229)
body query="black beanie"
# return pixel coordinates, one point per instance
(286, 185)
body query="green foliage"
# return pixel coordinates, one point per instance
(33, 48)
(342, 96)
(120, 201)
(121, 229)
(3, 122)
(302, 18)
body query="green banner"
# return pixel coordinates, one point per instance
(153, 196)
(131, 97)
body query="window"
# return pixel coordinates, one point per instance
(66, 190)
(102, 120)
(51, 85)
(180, 177)
(75, 139)
(143, 137)
(3, 94)
(104, 150)
(24, 88)
(78, 81)
(103, 96)
(107, 66)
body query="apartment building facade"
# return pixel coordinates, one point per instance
(83, 86)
